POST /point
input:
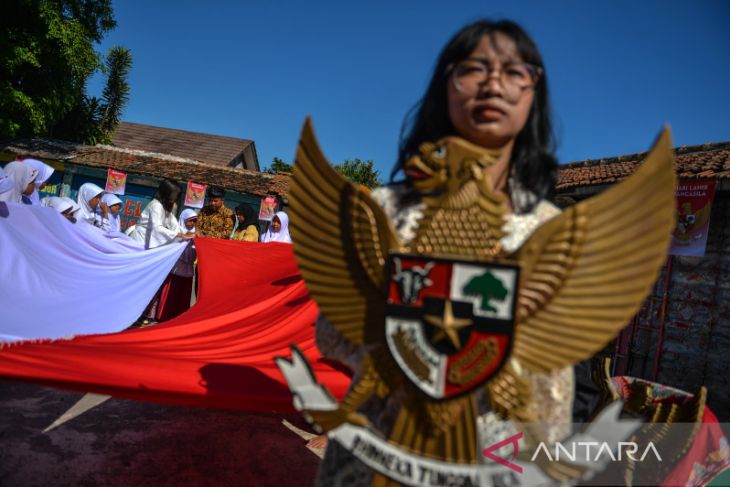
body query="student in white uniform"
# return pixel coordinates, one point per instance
(114, 205)
(22, 177)
(44, 174)
(158, 225)
(92, 210)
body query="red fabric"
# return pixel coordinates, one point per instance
(174, 297)
(708, 455)
(251, 306)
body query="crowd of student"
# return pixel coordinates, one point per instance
(158, 224)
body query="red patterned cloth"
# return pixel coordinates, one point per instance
(709, 454)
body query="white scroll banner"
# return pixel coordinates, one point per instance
(410, 469)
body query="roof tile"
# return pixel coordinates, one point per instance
(214, 149)
(152, 165)
(706, 161)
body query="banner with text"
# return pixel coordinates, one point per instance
(115, 182)
(195, 195)
(268, 208)
(694, 203)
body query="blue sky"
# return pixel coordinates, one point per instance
(617, 70)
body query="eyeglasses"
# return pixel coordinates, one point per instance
(470, 74)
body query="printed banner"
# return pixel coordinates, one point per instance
(195, 195)
(132, 207)
(115, 182)
(268, 208)
(694, 203)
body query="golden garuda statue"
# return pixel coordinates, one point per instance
(451, 318)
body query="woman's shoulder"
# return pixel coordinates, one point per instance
(520, 226)
(395, 198)
(389, 194)
(154, 203)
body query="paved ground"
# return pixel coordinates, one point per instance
(130, 443)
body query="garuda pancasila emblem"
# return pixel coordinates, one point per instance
(451, 312)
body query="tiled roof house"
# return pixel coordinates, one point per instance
(152, 165)
(707, 161)
(681, 335)
(213, 149)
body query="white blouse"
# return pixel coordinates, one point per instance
(155, 226)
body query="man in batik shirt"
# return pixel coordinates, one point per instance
(215, 220)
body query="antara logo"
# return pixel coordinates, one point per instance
(581, 450)
(513, 440)
(589, 451)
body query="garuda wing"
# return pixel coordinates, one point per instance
(587, 271)
(341, 242)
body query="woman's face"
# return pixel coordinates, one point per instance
(94, 202)
(190, 223)
(30, 188)
(241, 217)
(115, 209)
(490, 115)
(69, 215)
(275, 224)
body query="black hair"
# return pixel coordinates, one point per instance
(216, 192)
(249, 215)
(168, 192)
(533, 164)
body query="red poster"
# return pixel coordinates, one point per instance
(694, 203)
(195, 195)
(268, 208)
(115, 182)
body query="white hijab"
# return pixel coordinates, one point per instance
(60, 204)
(6, 184)
(283, 234)
(114, 220)
(44, 172)
(187, 214)
(21, 176)
(87, 192)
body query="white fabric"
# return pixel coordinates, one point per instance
(59, 279)
(75, 205)
(283, 234)
(115, 224)
(6, 184)
(21, 175)
(57, 203)
(44, 173)
(186, 214)
(87, 192)
(155, 226)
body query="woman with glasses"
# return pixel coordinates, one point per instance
(489, 87)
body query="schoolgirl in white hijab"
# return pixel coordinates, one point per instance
(114, 206)
(44, 173)
(6, 184)
(187, 214)
(89, 199)
(278, 230)
(65, 206)
(23, 177)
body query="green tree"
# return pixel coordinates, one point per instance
(360, 172)
(277, 166)
(47, 56)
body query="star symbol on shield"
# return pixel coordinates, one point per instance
(448, 325)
